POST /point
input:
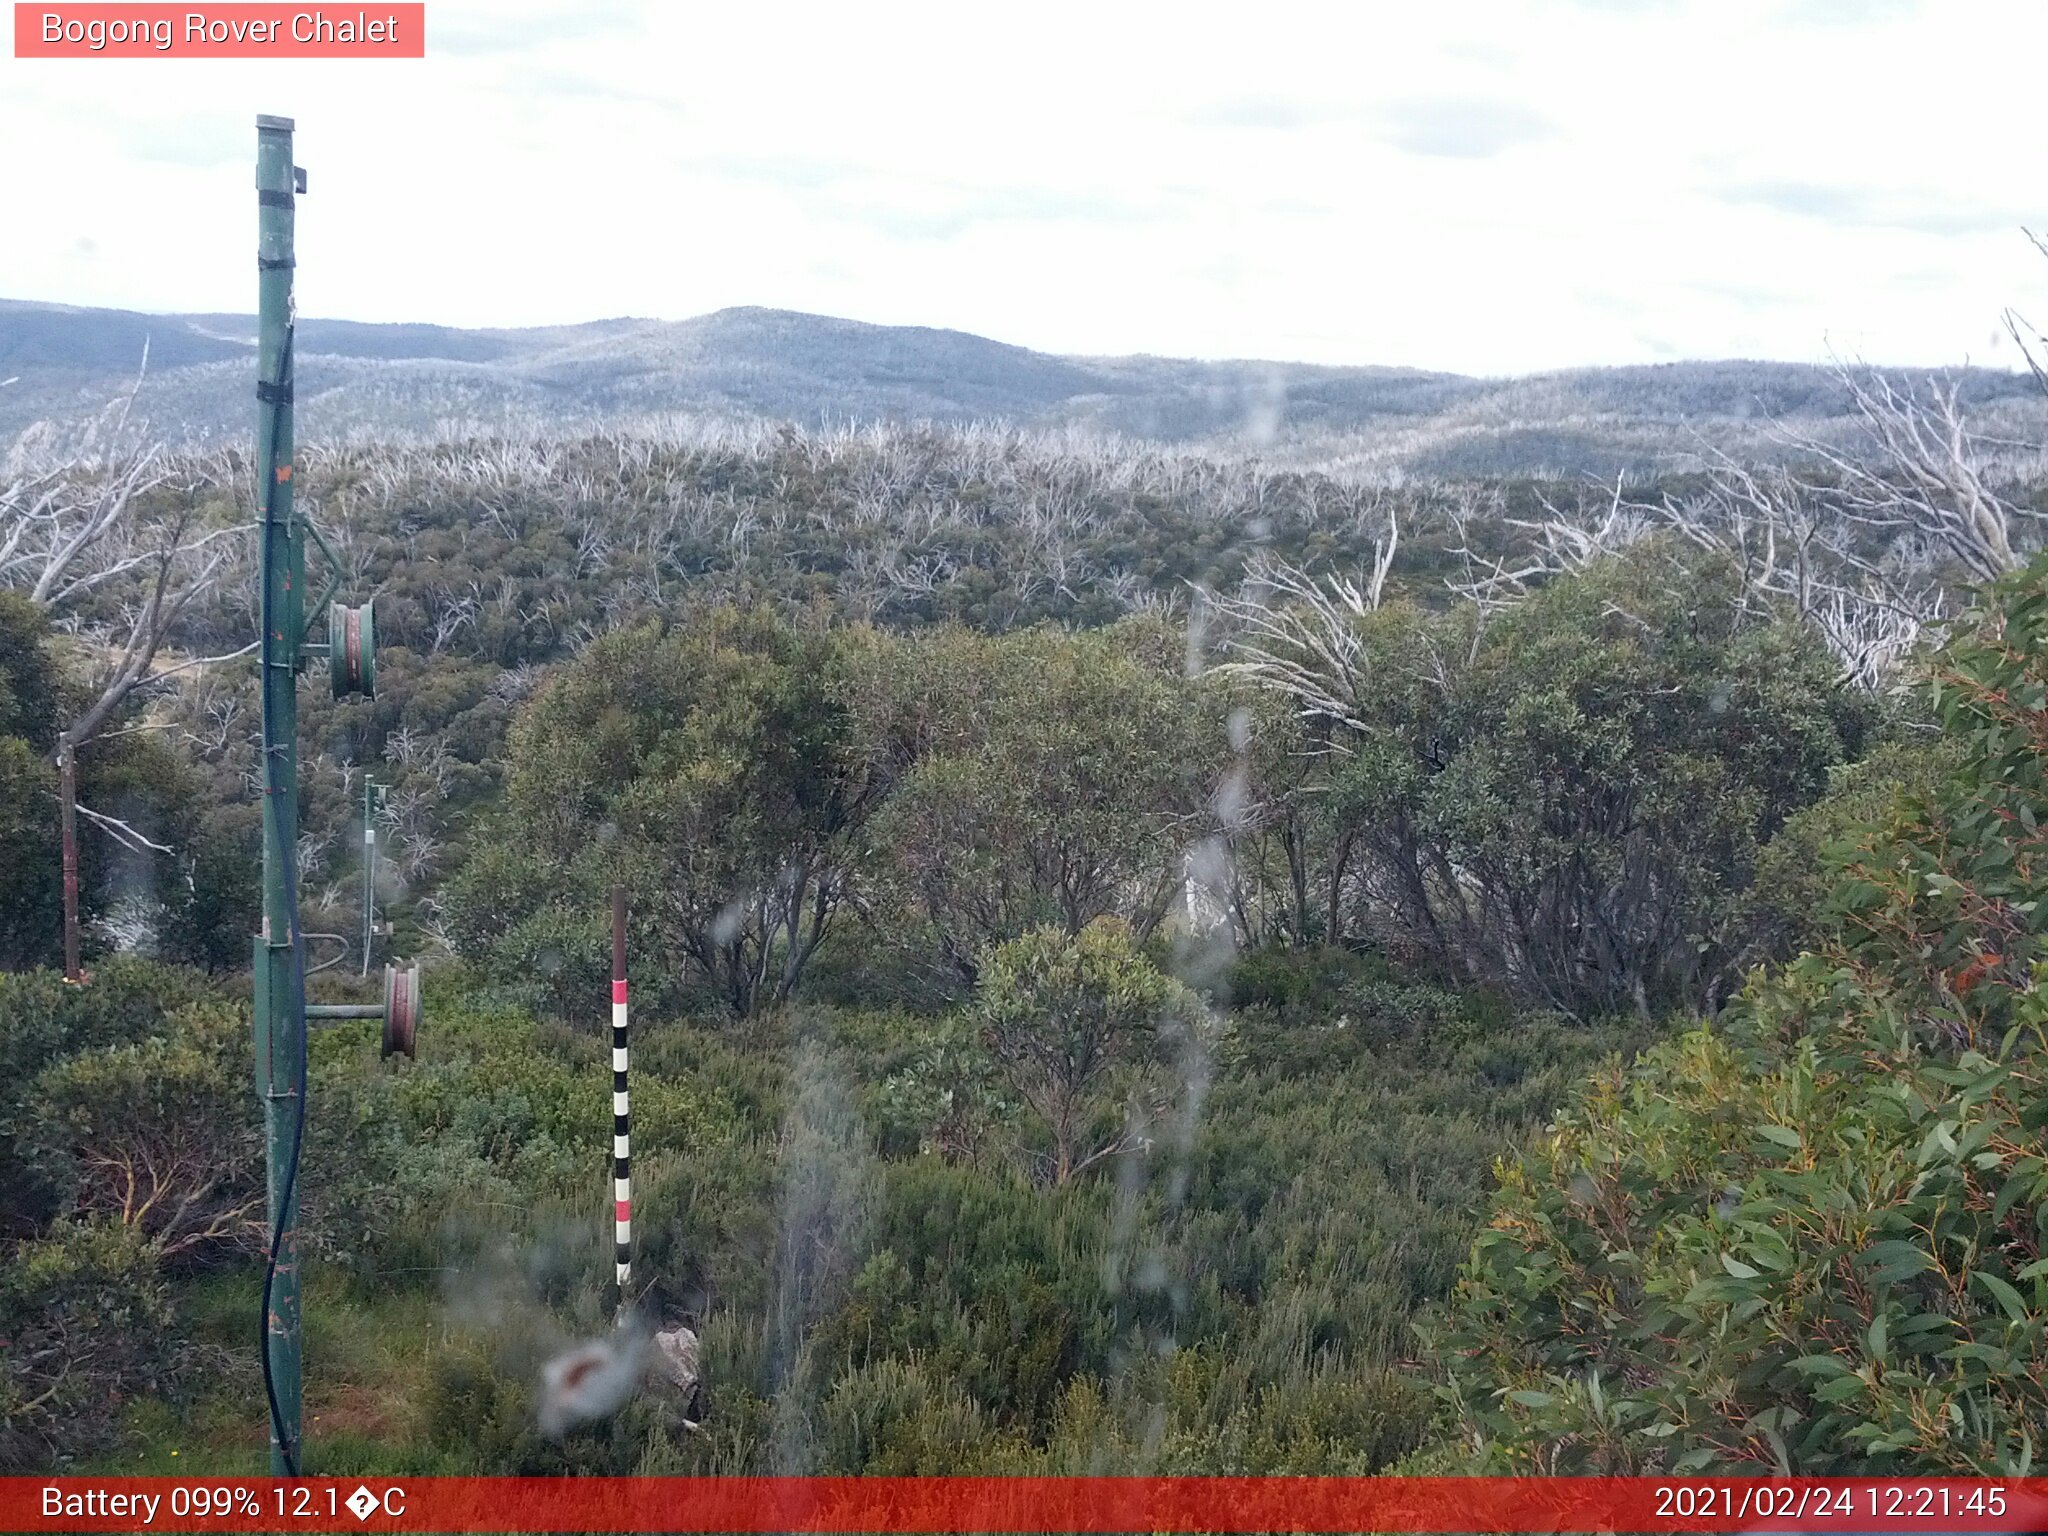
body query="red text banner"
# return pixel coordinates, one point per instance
(260, 31)
(1026, 1504)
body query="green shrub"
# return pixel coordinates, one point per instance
(85, 1321)
(901, 1418)
(1814, 1238)
(1311, 981)
(1196, 1413)
(942, 1094)
(1788, 907)
(1567, 799)
(411, 1167)
(1819, 1258)
(43, 1021)
(1088, 1033)
(162, 1135)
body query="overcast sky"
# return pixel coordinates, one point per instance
(1488, 188)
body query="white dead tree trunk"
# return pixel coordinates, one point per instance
(1866, 543)
(80, 540)
(1928, 475)
(1298, 634)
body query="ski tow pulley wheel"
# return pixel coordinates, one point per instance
(352, 650)
(401, 1009)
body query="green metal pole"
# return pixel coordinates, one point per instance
(369, 870)
(279, 981)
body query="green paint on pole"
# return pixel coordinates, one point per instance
(279, 980)
(279, 968)
(373, 795)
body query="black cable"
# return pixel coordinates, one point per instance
(279, 394)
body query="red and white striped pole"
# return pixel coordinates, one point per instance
(622, 1152)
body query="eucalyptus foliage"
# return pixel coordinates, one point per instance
(1814, 1236)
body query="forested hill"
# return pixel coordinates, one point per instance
(376, 380)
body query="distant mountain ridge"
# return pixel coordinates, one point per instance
(359, 379)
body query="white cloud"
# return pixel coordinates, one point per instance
(1488, 189)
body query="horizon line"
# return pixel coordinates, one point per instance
(1825, 364)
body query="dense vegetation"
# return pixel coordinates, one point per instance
(1081, 1018)
(867, 1206)
(1814, 1235)
(491, 560)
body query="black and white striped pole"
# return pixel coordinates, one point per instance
(622, 1145)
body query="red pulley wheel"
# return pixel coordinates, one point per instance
(401, 1009)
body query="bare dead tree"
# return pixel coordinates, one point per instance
(121, 832)
(311, 852)
(1565, 542)
(1865, 543)
(1929, 474)
(1122, 587)
(418, 852)
(516, 683)
(919, 576)
(402, 745)
(432, 921)
(2025, 334)
(175, 1182)
(453, 612)
(222, 715)
(1299, 635)
(863, 585)
(81, 538)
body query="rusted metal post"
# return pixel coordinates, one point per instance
(67, 800)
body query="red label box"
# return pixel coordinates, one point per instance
(259, 31)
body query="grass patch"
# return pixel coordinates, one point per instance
(368, 1360)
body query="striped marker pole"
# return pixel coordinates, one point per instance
(622, 1174)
